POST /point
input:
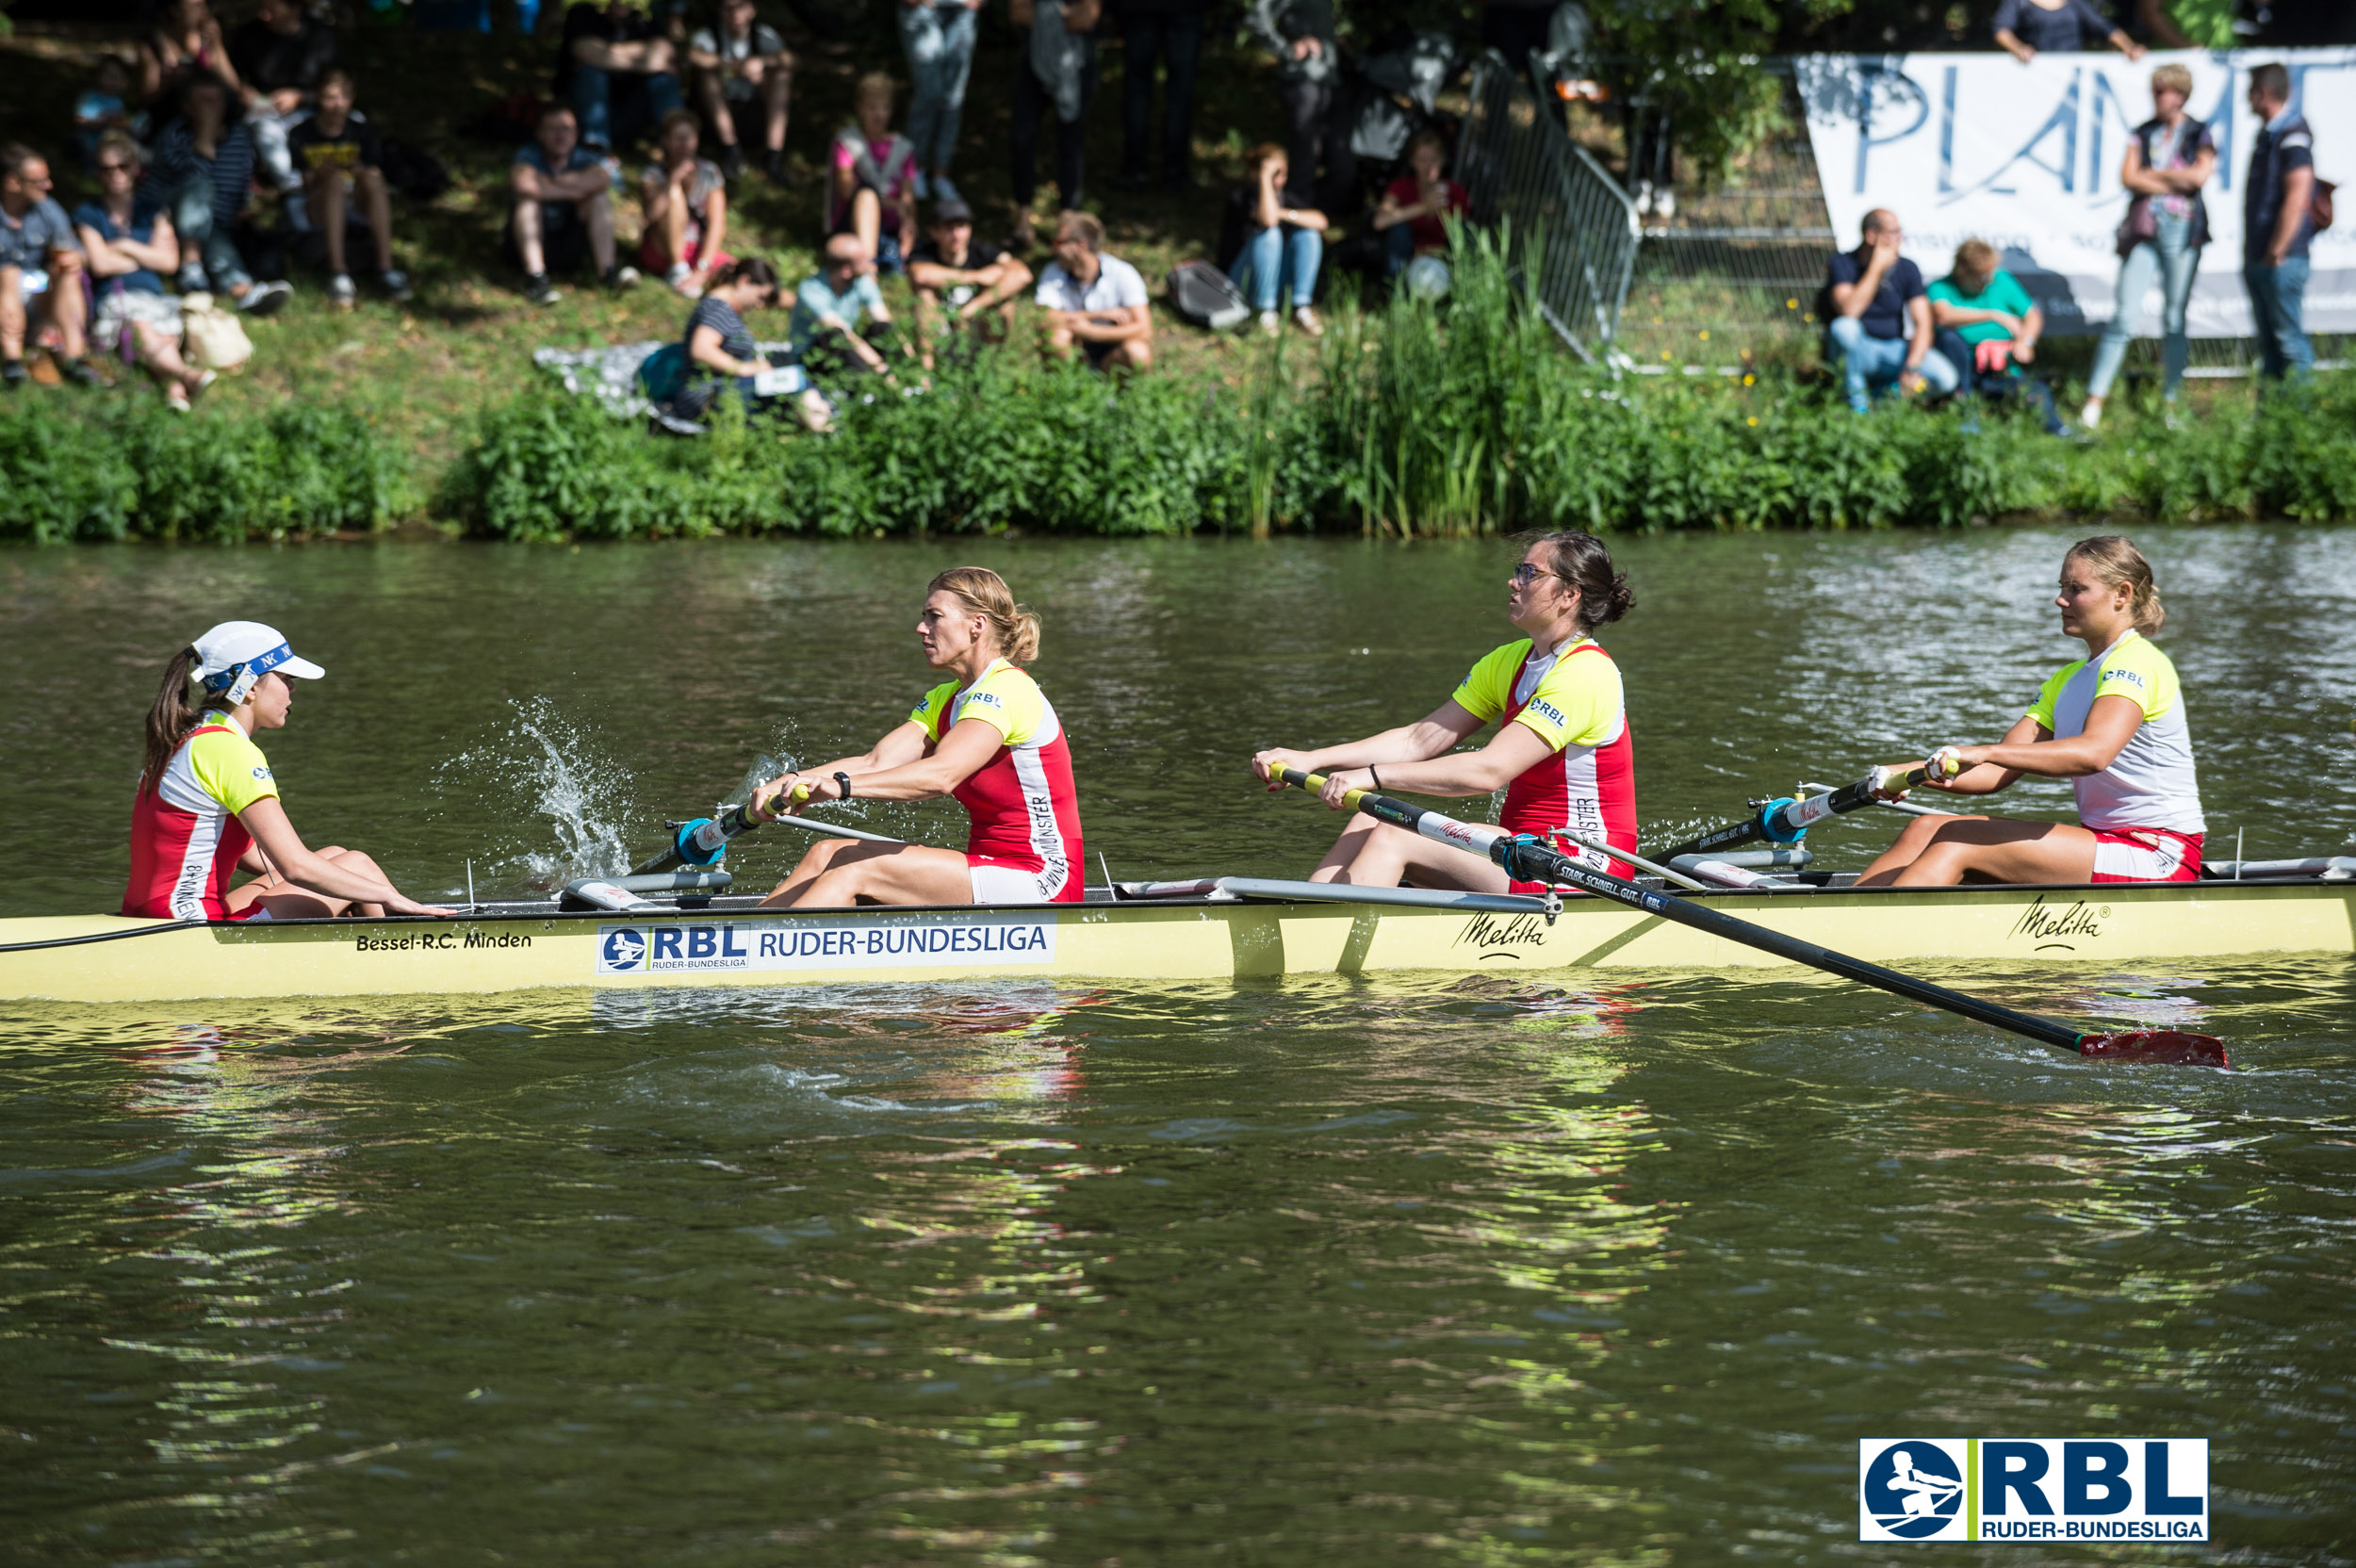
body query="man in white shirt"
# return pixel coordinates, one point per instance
(1094, 301)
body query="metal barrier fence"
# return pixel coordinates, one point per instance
(1573, 230)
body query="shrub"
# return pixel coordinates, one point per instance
(117, 467)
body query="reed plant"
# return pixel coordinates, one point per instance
(1413, 419)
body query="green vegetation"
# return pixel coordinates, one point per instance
(1417, 419)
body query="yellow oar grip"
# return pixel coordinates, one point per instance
(801, 794)
(1314, 784)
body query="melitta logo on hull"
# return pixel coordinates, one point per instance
(2153, 1489)
(818, 942)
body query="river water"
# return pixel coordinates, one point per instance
(1395, 1271)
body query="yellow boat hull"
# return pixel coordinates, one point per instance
(109, 958)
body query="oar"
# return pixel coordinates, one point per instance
(1786, 821)
(1530, 859)
(703, 840)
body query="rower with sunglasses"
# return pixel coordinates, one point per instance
(1562, 751)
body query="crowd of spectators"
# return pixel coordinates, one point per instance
(193, 136)
(1976, 331)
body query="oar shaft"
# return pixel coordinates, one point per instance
(1528, 859)
(1786, 821)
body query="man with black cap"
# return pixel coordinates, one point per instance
(967, 276)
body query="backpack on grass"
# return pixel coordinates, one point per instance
(1206, 296)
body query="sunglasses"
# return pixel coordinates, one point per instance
(1528, 572)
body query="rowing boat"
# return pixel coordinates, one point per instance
(1210, 929)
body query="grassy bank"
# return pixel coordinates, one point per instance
(1463, 419)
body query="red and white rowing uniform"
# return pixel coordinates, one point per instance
(2144, 810)
(186, 838)
(1023, 846)
(1572, 699)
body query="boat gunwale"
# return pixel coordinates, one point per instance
(712, 909)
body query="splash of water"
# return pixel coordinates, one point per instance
(546, 765)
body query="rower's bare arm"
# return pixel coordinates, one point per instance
(962, 753)
(266, 819)
(2111, 722)
(904, 744)
(1444, 728)
(1517, 749)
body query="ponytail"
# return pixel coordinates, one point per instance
(2115, 559)
(986, 594)
(1581, 560)
(176, 710)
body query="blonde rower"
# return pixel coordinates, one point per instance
(2112, 723)
(990, 737)
(207, 803)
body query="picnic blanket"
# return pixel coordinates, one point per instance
(609, 374)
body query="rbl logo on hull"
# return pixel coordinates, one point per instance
(2033, 1489)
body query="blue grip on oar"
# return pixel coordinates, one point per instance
(699, 842)
(1771, 822)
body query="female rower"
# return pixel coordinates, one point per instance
(990, 737)
(208, 805)
(1561, 752)
(2112, 723)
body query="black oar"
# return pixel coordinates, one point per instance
(1786, 821)
(1530, 859)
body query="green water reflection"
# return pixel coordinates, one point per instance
(1401, 1270)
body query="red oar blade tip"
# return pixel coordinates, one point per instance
(2167, 1047)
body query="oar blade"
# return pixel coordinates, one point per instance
(2163, 1046)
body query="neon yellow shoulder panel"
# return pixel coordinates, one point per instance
(231, 768)
(1488, 688)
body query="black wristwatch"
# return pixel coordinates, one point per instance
(843, 780)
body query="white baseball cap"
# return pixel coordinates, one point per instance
(235, 654)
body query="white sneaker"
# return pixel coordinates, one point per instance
(943, 190)
(1306, 319)
(341, 293)
(1270, 323)
(923, 187)
(678, 274)
(264, 299)
(2091, 415)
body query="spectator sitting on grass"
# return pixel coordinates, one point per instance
(967, 276)
(722, 357)
(1873, 293)
(132, 250)
(871, 177)
(617, 69)
(1282, 244)
(103, 106)
(202, 172)
(1412, 214)
(40, 268)
(184, 41)
(827, 330)
(738, 63)
(280, 56)
(562, 214)
(686, 201)
(1988, 329)
(1094, 301)
(343, 182)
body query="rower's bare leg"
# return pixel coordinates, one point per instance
(840, 873)
(285, 901)
(1940, 852)
(1371, 853)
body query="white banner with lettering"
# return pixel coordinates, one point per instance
(2027, 157)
